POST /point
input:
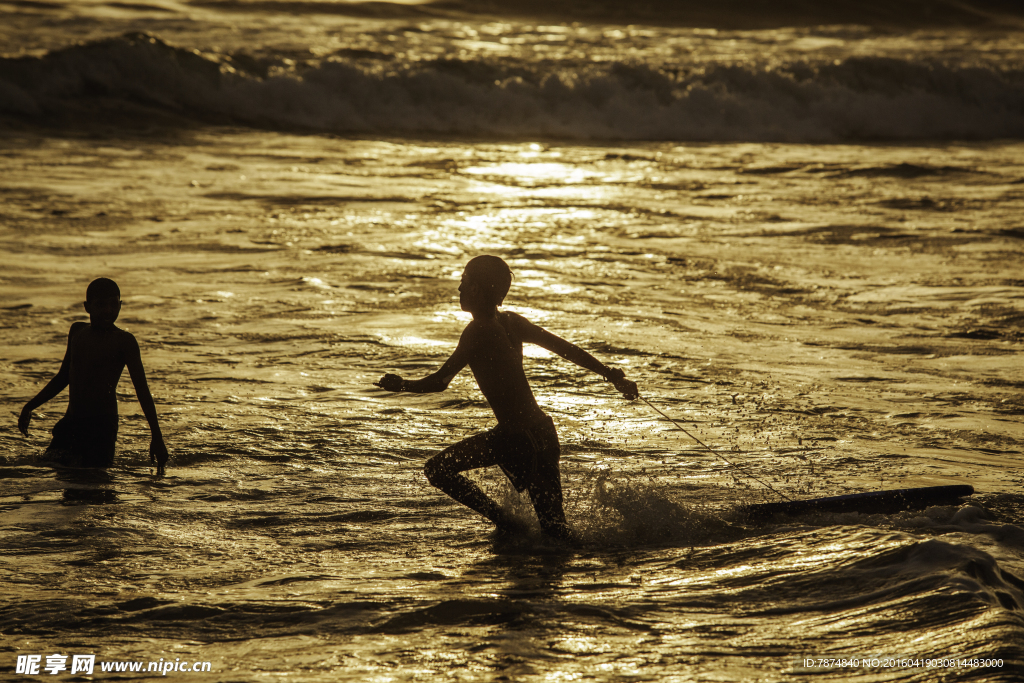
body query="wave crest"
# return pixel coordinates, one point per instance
(856, 99)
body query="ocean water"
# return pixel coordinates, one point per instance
(803, 239)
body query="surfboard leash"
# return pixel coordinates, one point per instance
(711, 450)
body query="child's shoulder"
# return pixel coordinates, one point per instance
(76, 329)
(119, 338)
(125, 337)
(515, 321)
(124, 345)
(480, 329)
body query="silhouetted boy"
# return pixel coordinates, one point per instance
(97, 353)
(525, 443)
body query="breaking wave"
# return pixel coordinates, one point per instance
(137, 79)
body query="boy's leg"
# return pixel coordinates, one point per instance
(546, 494)
(83, 442)
(97, 438)
(63, 441)
(443, 471)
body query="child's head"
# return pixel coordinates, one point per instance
(490, 276)
(103, 302)
(102, 288)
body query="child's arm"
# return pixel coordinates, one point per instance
(157, 448)
(569, 351)
(439, 380)
(52, 388)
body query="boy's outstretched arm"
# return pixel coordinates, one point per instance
(157, 448)
(52, 388)
(439, 380)
(569, 351)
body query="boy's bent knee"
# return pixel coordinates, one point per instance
(435, 473)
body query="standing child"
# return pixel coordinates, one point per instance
(524, 443)
(97, 353)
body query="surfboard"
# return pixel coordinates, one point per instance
(880, 502)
